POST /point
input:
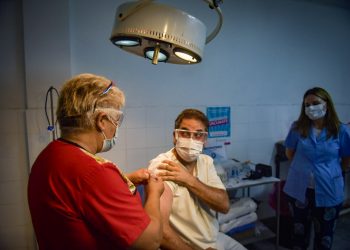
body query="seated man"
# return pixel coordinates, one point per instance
(193, 190)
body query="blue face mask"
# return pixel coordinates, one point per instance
(108, 144)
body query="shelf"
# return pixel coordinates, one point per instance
(262, 232)
(232, 184)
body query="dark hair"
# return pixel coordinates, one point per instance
(192, 114)
(331, 120)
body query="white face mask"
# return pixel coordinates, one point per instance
(315, 112)
(188, 149)
(108, 144)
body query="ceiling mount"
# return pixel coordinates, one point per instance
(162, 33)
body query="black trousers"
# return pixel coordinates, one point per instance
(324, 219)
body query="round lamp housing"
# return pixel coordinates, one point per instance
(178, 35)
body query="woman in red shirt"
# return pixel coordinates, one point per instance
(79, 200)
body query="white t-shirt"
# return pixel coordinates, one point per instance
(194, 220)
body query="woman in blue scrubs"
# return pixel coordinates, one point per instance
(318, 145)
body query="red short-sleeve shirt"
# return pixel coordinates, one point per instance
(81, 201)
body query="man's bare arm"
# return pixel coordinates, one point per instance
(171, 239)
(217, 199)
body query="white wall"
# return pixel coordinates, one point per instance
(265, 57)
(15, 225)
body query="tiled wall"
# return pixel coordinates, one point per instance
(146, 132)
(15, 225)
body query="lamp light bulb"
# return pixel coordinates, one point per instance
(185, 56)
(156, 54)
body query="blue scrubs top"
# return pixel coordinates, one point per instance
(320, 156)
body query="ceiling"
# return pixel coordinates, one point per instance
(336, 3)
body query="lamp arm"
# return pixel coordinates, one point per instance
(214, 4)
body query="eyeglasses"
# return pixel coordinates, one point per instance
(196, 135)
(107, 89)
(120, 116)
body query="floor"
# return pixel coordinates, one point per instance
(341, 237)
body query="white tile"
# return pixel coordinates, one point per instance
(13, 168)
(12, 192)
(17, 238)
(280, 132)
(261, 151)
(155, 137)
(168, 133)
(13, 123)
(287, 114)
(36, 143)
(261, 130)
(265, 113)
(241, 114)
(116, 155)
(12, 145)
(171, 114)
(240, 131)
(343, 112)
(136, 159)
(154, 152)
(238, 150)
(38, 137)
(155, 117)
(135, 117)
(37, 122)
(13, 214)
(136, 138)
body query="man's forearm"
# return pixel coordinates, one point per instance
(172, 241)
(217, 199)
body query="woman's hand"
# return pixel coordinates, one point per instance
(139, 176)
(154, 185)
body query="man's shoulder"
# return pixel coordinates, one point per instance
(206, 160)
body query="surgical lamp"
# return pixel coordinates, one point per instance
(162, 33)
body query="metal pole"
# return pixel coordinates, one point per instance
(278, 214)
